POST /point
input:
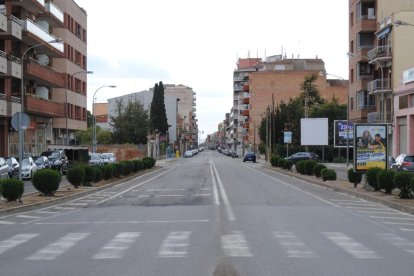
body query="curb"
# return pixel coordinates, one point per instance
(349, 191)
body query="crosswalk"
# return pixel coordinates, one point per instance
(178, 244)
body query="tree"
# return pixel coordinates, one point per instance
(158, 116)
(89, 119)
(131, 123)
(310, 95)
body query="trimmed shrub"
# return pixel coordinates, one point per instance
(287, 165)
(149, 162)
(103, 171)
(371, 176)
(138, 165)
(309, 165)
(403, 182)
(119, 169)
(354, 177)
(317, 169)
(412, 184)
(76, 175)
(274, 160)
(46, 181)
(128, 167)
(328, 174)
(89, 175)
(385, 180)
(300, 166)
(280, 162)
(12, 189)
(97, 174)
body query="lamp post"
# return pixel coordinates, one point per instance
(67, 108)
(21, 130)
(94, 118)
(177, 137)
(397, 23)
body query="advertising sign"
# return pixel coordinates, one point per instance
(341, 129)
(370, 150)
(287, 137)
(314, 131)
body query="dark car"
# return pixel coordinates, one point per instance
(249, 156)
(42, 162)
(58, 160)
(294, 158)
(13, 167)
(404, 162)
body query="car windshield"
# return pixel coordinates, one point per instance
(26, 161)
(39, 160)
(54, 155)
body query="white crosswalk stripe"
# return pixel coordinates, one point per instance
(175, 245)
(294, 247)
(398, 242)
(116, 248)
(15, 241)
(53, 250)
(235, 245)
(351, 246)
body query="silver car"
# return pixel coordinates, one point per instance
(404, 162)
(95, 159)
(4, 169)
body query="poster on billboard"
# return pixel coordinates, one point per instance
(287, 137)
(341, 130)
(370, 150)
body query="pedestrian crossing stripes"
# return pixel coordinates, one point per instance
(178, 244)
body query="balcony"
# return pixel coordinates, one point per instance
(3, 105)
(246, 125)
(35, 6)
(36, 34)
(44, 107)
(246, 100)
(14, 67)
(246, 112)
(13, 30)
(3, 21)
(237, 88)
(53, 15)
(246, 88)
(377, 117)
(379, 86)
(3, 63)
(380, 53)
(43, 74)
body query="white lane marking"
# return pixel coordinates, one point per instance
(215, 193)
(48, 212)
(227, 205)
(116, 248)
(88, 200)
(379, 212)
(134, 187)
(351, 246)
(77, 204)
(347, 204)
(203, 189)
(397, 223)
(122, 222)
(398, 242)
(394, 218)
(6, 222)
(16, 240)
(175, 245)
(368, 208)
(235, 245)
(407, 229)
(161, 190)
(64, 208)
(27, 216)
(144, 196)
(54, 250)
(294, 247)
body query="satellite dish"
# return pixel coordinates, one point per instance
(25, 120)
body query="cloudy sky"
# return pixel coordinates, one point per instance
(135, 43)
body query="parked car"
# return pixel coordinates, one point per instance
(13, 167)
(404, 162)
(249, 156)
(4, 169)
(294, 158)
(188, 153)
(42, 162)
(95, 159)
(58, 160)
(28, 167)
(108, 158)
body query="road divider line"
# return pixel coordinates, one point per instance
(230, 214)
(215, 193)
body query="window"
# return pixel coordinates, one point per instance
(351, 19)
(351, 46)
(352, 103)
(364, 69)
(403, 102)
(364, 100)
(352, 75)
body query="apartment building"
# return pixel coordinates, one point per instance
(380, 61)
(50, 73)
(280, 79)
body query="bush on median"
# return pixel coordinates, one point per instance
(12, 189)
(46, 181)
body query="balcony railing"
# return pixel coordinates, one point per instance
(379, 86)
(380, 52)
(42, 34)
(44, 107)
(50, 7)
(3, 21)
(44, 74)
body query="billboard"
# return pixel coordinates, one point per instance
(287, 137)
(314, 131)
(371, 143)
(341, 129)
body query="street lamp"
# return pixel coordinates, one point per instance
(398, 23)
(21, 130)
(176, 125)
(94, 118)
(66, 107)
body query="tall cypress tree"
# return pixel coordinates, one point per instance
(158, 115)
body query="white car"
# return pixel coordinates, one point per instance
(95, 159)
(188, 153)
(28, 167)
(108, 158)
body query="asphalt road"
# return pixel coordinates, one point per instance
(209, 215)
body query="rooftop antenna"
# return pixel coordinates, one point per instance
(298, 48)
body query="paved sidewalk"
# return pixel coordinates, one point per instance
(341, 185)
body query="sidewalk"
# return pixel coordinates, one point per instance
(343, 186)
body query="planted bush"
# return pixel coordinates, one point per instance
(12, 189)
(309, 165)
(371, 176)
(317, 169)
(300, 167)
(46, 181)
(128, 167)
(119, 169)
(97, 174)
(138, 165)
(328, 174)
(287, 165)
(149, 162)
(280, 162)
(385, 180)
(403, 182)
(76, 176)
(274, 160)
(354, 177)
(89, 175)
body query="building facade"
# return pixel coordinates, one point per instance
(380, 53)
(54, 88)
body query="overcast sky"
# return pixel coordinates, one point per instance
(133, 44)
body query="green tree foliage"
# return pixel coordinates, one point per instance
(131, 124)
(158, 116)
(310, 92)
